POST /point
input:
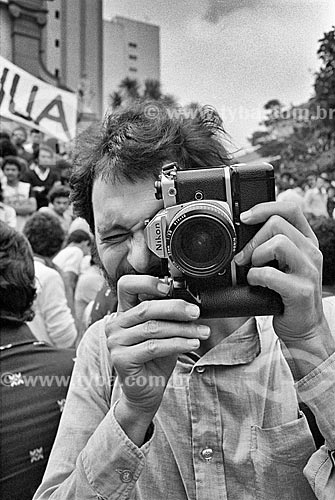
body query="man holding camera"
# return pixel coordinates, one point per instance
(203, 407)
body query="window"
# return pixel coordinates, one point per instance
(56, 42)
(57, 73)
(131, 56)
(134, 70)
(132, 45)
(57, 14)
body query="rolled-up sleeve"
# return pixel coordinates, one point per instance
(317, 391)
(92, 457)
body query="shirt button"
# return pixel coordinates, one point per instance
(207, 454)
(126, 476)
(200, 369)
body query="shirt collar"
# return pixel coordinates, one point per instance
(241, 347)
(14, 332)
(42, 174)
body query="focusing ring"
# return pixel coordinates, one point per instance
(210, 214)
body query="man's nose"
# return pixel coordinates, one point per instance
(139, 255)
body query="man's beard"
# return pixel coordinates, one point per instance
(112, 281)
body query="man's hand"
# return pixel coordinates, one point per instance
(144, 340)
(287, 238)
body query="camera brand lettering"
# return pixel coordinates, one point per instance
(158, 236)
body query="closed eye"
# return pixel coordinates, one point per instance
(115, 238)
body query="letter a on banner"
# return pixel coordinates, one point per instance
(32, 102)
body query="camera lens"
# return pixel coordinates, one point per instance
(201, 240)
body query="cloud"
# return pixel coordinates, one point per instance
(218, 9)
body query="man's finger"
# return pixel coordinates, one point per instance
(155, 329)
(285, 252)
(160, 348)
(289, 211)
(290, 291)
(274, 226)
(131, 286)
(170, 310)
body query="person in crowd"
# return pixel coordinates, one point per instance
(105, 303)
(53, 321)
(291, 191)
(36, 138)
(310, 183)
(200, 408)
(16, 193)
(59, 206)
(316, 199)
(42, 175)
(4, 134)
(19, 137)
(326, 180)
(64, 171)
(30, 407)
(7, 213)
(69, 260)
(331, 201)
(79, 223)
(324, 228)
(7, 148)
(89, 283)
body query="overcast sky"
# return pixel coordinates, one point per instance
(235, 54)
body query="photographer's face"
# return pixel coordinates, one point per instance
(120, 210)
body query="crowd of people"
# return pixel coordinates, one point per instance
(314, 194)
(34, 180)
(149, 399)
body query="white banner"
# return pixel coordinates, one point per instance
(32, 102)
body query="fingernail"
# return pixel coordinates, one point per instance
(245, 215)
(194, 343)
(192, 311)
(204, 331)
(239, 257)
(163, 287)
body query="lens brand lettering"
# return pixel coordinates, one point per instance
(158, 236)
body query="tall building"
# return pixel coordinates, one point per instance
(73, 49)
(58, 41)
(131, 49)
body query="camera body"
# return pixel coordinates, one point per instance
(199, 230)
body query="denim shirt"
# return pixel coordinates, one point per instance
(228, 427)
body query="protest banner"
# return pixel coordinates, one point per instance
(32, 102)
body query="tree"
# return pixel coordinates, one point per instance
(129, 90)
(324, 85)
(304, 135)
(152, 89)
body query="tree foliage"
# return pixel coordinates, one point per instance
(304, 135)
(324, 85)
(130, 89)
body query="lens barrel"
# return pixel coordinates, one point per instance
(201, 239)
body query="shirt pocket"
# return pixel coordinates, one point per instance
(279, 455)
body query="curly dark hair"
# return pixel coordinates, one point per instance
(17, 275)
(324, 229)
(59, 192)
(44, 233)
(133, 145)
(12, 160)
(7, 148)
(77, 236)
